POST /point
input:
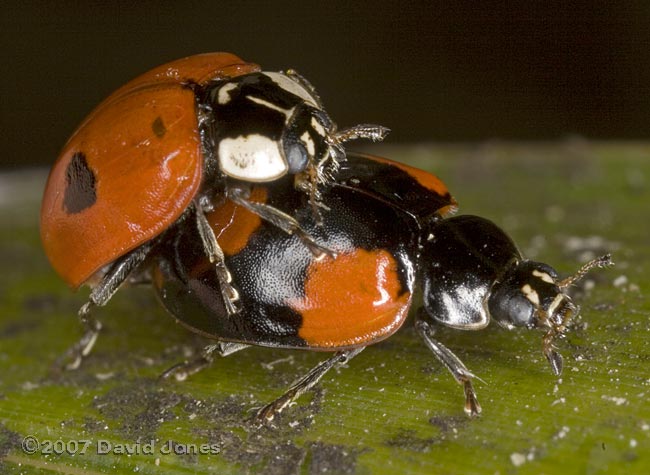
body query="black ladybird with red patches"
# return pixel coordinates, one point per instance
(385, 226)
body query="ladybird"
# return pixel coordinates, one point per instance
(167, 147)
(390, 231)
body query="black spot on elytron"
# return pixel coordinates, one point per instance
(158, 127)
(80, 190)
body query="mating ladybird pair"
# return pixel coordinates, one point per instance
(229, 189)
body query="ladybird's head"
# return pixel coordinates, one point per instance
(530, 294)
(268, 124)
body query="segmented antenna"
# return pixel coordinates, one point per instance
(600, 262)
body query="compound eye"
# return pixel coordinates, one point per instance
(297, 157)
(512, 307)
(521, 311)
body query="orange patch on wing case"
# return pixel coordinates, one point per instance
(233, 225)
(426, 179)
(352, 300)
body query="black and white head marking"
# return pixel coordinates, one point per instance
(533, 296)
(269, 124)
(252, 114)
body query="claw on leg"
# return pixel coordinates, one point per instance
(472, 407)
(72, 358)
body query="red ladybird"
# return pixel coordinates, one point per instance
(166, 147)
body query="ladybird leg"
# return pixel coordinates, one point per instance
(99, 296)
(216, 256)
(304, 384)
(282, 220)
(453, 364)
(181, 371)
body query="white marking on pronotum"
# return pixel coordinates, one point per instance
(530, 294)
(543, 276)
(224, 93)
(287, 112)
(292, 87)
(252, 158)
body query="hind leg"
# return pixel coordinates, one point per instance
(304, 384)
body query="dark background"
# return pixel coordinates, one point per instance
(431, 71)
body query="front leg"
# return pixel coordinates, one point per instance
(453, 364)
(216, 256)
(280, 219)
